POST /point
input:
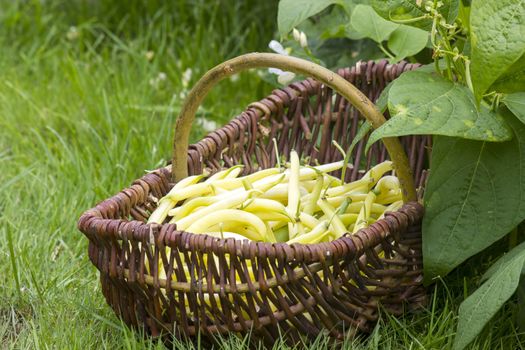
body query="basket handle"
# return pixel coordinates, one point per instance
(299, 66)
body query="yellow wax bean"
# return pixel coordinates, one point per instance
(191, 205)
(311, 202)
(263, 204)
(227, 215)
(166, 203)
(293, 192)
(273, 216)
(232, 172)
(388, 198)
(392, 207)
(314, 236)
(364, 215)
(199, 189)
(336, 226)
(281, 234)
(387, 184)
(308, 220)
(227, 203)
(359, 185)
(280, 193)
(275, 225)
(374, 209)
(230, 184)
(348, 219)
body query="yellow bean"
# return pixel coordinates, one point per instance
(227, 215)
(364, 215)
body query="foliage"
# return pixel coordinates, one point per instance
(472, 99)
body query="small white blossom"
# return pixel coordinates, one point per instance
(277, 47)
(285, 78)
(158, 80)
(303, 41)
(296, 35)
(207, 125)
(186, 77)
(276, 71)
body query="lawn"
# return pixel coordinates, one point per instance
(89, 93)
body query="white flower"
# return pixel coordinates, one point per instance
(276, 71)
(285, 78)
(186, 77)
(158, 80)
(296, 35)
(207, 125)
(303, 41)
(277, 47)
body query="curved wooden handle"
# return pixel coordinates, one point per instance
(299, 66)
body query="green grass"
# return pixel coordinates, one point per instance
(83, 113)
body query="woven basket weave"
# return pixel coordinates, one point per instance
(337, 287)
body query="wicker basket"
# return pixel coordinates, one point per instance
(336, 287)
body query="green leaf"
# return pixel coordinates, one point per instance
(382, 100)
(497, 37)
(516, 103)
(293, 12)
(426, 103)
(513, 80)
(505, 259)
(332, 24)
(366, 21)
(361, 133)
(403, 10)
(474, 196)
(407, 41)
(464, 14)
(479, 308)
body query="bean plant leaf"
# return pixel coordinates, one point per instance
(403, 10)
(293, 12)
(479, 308)
(366, 21)
(407, 41)
(516, 104)
(474, 196)
(426, 103)
(505, 259)
(497, 38)
(382, 100)
(513, 80)
(361, 133)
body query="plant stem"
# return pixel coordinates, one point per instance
(385, 51)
